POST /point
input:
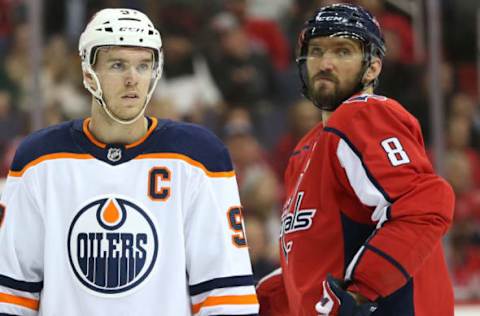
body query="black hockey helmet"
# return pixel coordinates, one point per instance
(341, 20)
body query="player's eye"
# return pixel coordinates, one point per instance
(315, 51)
(117, 66)
(143, 67)
(343, 52)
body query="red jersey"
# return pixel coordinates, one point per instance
(364, 204)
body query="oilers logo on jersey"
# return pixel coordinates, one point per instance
(112, 245)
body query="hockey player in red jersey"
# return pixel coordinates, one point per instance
(365, 213)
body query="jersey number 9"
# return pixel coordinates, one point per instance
(235, 220)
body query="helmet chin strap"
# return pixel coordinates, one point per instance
(98, 95)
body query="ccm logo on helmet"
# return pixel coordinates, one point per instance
(112, 245)
(131, 29)
(329, 18)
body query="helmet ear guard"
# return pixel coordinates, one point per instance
(341, 20)
(119, 27)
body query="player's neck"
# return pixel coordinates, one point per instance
(326, 114)
(107, 131)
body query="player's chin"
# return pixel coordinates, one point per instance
(324, 92)
(322, 83)
(128, 112)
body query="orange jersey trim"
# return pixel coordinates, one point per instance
(190, 161)
(225, 300)
(48, 157)
(103, 145)
(213, 174)
(90, 136)
(20, 301)
(149, 132)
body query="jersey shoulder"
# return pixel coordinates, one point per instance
(50, 140)
(193, 141)
(373, 111)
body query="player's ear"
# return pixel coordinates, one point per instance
(88, 78)
(374, 70)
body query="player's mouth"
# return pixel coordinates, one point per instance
(325, 77)
(130, 96)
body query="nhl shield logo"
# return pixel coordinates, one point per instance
(112, 246)
(114, 154)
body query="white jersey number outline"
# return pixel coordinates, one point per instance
(395, 152)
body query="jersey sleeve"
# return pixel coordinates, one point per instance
(218, 263)
(21, 251)
(272, 295)
(381, 150)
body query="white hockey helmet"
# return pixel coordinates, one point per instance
(119, 27)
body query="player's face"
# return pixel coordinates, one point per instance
(125, 74)
(334, 69)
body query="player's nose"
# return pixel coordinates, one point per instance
(326, 62)
(131, 76)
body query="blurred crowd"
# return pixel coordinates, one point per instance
(230, 66)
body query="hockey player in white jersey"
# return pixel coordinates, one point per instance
(122, 214)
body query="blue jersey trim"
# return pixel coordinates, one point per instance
(354, 236)
(241, 280)
(193, 141)
(359, 155)
(54, 139)
(399, 302)
(389, 259)
(190, 140)
(31, 287)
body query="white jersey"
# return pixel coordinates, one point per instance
(151, 228)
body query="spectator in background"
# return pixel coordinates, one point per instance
(186, 83)
(6, 156)
(5, 24)
(239, 137)
(12, 121)
(243, 74)
(259, 187)
(462, 170)
(465, 233)
(302, 117)
(399, 63)
(62, 88)
(393, 22)
(458, 141)
(407, 95)
(164, 108)
(264, 32)
(12, 124)
(262, 250)
(463, 105)
(17, 63)
(263, 9)
(259, 190)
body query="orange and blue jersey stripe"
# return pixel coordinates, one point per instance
(164, 139)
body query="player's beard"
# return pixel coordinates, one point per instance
(330, 100)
